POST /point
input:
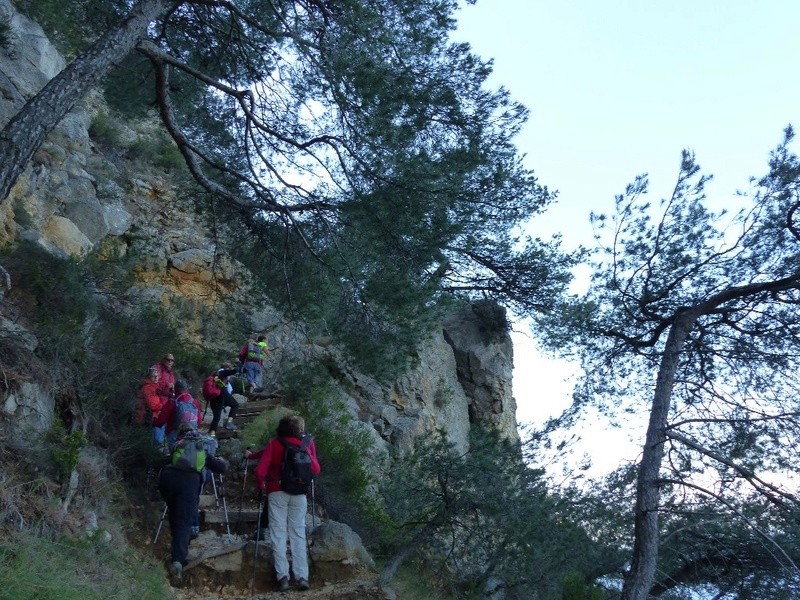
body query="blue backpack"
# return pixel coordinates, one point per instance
(185, 411)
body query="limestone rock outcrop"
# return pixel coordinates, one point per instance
(74, 201)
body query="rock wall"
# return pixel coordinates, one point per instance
(73, 200)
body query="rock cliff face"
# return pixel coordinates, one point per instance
(74, 200)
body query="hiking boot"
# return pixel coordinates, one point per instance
(230, 426)
(283, 584)
(176, 574)
(195, 533)
(302, 584)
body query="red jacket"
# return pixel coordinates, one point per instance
(167, 414)
(270, 461)
(148, 400)
(166, 381)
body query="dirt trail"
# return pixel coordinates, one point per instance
(357, 589)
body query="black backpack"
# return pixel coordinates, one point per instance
(296, 475)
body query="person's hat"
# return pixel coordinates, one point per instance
(169, 357)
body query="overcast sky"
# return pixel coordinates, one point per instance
(619, 88)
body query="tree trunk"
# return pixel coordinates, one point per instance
(645, 545)
(24, 133)
(388, 572)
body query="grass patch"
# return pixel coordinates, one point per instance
(33, 568)
(262, 429)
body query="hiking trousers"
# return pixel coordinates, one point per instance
(218, 404)
(252, 372)
(181, 491)
(287, 519)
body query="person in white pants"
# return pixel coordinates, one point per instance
(287, 518)
(287, 511)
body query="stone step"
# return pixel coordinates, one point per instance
(250, 410)
(217, 516)
(227, 557)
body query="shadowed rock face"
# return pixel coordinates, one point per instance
(484, 357)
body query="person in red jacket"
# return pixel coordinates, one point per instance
(183, 409)
(149, 403)
(287, 512)
(166, 377)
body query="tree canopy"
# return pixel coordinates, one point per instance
(354, 132)
(696, 323)
(486, 522)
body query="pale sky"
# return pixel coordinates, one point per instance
(619, 88)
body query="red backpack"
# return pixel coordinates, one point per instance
(210, 388)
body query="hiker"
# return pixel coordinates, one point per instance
(287, 510)
(252, 357)
(217, 391)
(149, 404)
(180, 483)
(182, 409)
(166, 377)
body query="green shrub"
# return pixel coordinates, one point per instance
(576, 589)
(411, 581)
(65, 448)
(105, 130)
(6, 35)
(346, 490)
(59, 294)
(158, 150)
(261, 430)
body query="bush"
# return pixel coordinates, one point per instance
(346, 491)
(6, 35)
(65, 448)
(158, 150)
(105, 130)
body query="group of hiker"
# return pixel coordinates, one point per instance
(286, 465)
(158, 389)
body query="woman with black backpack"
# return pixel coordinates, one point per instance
(286, 467)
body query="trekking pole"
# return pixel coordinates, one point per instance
(313, 507)
(258, 537)
(241, 497)
(224, 504)
(214, 487)
(160, 523)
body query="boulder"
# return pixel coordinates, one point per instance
(337, 543)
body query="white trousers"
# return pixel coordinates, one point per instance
(287, 518)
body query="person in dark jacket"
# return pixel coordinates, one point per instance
(180, 486)
(223, 399)
(287, 512)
